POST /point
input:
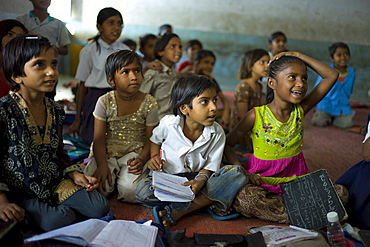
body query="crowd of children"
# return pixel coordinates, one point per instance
(142, 114)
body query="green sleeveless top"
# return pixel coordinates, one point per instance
(272, 139)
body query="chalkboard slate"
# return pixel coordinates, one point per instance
(308, 200)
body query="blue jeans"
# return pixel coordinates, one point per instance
(221, 188)
(88, 203)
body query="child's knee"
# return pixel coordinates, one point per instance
(144, 190)
(63, 216)
(320, 119)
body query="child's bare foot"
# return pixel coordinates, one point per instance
(166, 216)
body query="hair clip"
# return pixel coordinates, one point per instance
(33, 37)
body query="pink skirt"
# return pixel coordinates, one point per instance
(287, 167)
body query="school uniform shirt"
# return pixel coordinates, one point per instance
(159, 85)
(336, 102)
(52, 28)
(182, 155)
(91, 68)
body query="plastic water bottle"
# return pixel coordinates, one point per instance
(335, 231)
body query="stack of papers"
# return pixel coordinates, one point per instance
(169, 188)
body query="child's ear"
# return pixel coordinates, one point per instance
(98, 26)
(271, 82)
(17, 79)
(111, 82)
(161, 53)
(141, 50)
(184, 109)
(331, 59)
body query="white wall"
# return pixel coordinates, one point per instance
(317, 20)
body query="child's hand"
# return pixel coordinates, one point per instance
(135, 166)
(196, 185)
(254, 179)
(102, 174)
(281, 54)
(11, 211)
(88, 182)
(155, 65)
(156, 164)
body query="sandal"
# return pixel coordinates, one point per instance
(209, 211)
(167, 216)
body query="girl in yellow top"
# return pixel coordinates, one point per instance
(277, 131)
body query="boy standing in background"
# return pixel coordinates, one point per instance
(335, 108)
(40, 22)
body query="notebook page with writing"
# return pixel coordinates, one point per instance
(80, 233)
(122, 233)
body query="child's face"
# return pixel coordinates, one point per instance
(14, 32)
(41, 73)
(205, 66)
(290, 84)
(260, 67)
(172, 52)
(111, 29)
(340, 57)
(278, 45)
(204, 109)
(148, 50)
(41, 4)
(191, 51)
(128, 79)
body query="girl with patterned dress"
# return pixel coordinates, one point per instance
(124, 121)
(37, 179)
(248, 93)
(277, 133)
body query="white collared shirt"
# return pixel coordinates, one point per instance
(91, 67)
(181, 154)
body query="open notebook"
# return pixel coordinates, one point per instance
(99, 233)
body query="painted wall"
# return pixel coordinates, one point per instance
(230, 27)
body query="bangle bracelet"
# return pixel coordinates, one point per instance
(153, 155)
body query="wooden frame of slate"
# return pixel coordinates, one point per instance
(308, 200)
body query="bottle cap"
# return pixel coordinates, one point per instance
(332, 217)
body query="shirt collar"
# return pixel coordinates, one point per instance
(178, 120)
(115, 45)
(50, 18)
(165, 68)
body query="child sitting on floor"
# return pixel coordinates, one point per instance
(37, 178)
(335, 107)
(192, 145)
(248, 93)
(277, 134)
(191, 48)
(124, 120)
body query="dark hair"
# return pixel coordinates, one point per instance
(7, 25)
(202, 54)
(335, 46)
(119, 59)
(274, 35)
(19, 51)
(129, 42)
(102, 16)
(145, 38)
(164, 27)
(192, 42)
(162, 42)
(248, 60)
(275, 67)
(186, 88)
